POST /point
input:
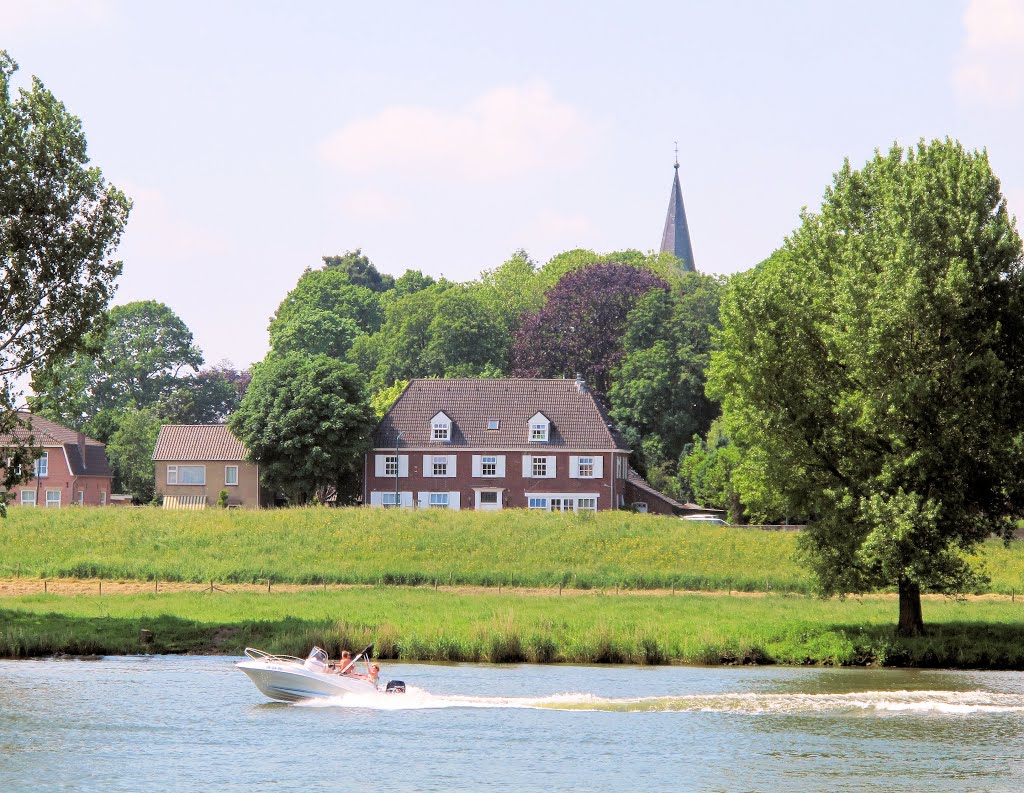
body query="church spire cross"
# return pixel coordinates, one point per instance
(675, 239)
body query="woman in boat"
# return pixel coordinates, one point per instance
(373, 674)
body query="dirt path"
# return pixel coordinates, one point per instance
(14, 587)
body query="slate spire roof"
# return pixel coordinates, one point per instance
(675, 239)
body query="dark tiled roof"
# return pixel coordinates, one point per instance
(643, 485)
(95, 463)
(49, 434)
(578, 421)
(197, 442)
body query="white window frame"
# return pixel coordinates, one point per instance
(228, 483)
(27, 502)
(174, 471)
(390, 465)
(540, 428)
(440, 428)
(103, 498)
(43, 465)
(81, 498)
(539, 467)
(538, 502)
(489, 461)
(439, 466)
(390, 499)
(53, 502)
(494, 424)
(438, 501)
(494, 493)
(586, 467)
(586, 504)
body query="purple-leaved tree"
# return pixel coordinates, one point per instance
(579, 330)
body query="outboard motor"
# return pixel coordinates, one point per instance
(395, 687)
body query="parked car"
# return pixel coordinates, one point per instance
(706, 519)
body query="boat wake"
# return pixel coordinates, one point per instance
(912, 702)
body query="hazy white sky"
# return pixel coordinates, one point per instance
(255, 138)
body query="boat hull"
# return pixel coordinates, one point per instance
(289, 682)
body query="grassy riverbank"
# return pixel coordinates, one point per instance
(363, 546)
(423, 624)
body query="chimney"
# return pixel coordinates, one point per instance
(580, 385)
(81, 447)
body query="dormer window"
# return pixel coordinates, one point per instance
(539, 428)
(440, 428)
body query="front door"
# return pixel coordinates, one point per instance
(488, 499)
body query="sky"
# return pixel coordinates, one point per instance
(256, 137)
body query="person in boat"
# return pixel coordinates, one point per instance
(344, 665)
(373, 674)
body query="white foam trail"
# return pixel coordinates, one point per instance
(958, 703)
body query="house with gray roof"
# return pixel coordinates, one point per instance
(195, 462)
(499, 444)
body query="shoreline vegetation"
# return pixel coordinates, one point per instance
(425, 586)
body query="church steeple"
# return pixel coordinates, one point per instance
(675, 239)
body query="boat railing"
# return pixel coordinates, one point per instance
(259, 655)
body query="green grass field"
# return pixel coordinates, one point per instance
(421, 624)
(396, 552)
(363, 546)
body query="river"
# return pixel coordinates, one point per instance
(194, 723)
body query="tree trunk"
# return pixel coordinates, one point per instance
(911, 622)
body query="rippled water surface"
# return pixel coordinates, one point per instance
(177, 723)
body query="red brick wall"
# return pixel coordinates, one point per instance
(517, 489)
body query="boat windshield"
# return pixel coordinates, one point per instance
(316, 660)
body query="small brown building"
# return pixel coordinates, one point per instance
(71, 468)
(499, 444)
(195, 462)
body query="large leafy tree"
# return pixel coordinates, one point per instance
(657, 391)
(306, 421)
(136, 361)
(60, 223)
(874, 371)
(130, 450)
(579, 330)
(445, 330)
(328, 290)
(360, 271)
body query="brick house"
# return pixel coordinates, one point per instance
(195, 462)
(503, 444)
(72, 468)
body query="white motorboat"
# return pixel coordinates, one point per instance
(291, 679)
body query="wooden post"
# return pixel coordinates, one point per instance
(616, 587)
(156, 585)
(499, 587)
(101, 586)
(673, 587)
(559, 587)
(268, 584)
(44, 585)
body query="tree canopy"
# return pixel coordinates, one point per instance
(60, 223)
(579, 330)
(873, 371)
(306, 421)
(657, 392)
(135, 361)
